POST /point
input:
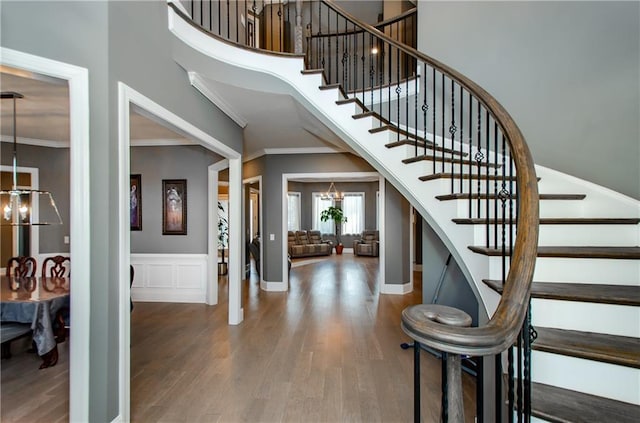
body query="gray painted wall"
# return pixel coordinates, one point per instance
(568, 72)
(306, 191)
(455, 290)
(178, 162)
(98, 36)
(53, 172)
(397, 230)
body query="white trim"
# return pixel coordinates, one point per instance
(270, 286)
(80, 224)
(412, 244)
(382, 245)
(212, 224)
(292, 150)
(396, 289)
(36, 142)
(171, 278)
(260, 222)
(161, 142)
(199, 84)
(236, 248)
(128, 96)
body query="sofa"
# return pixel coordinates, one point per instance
(307, 244)
(368, 244)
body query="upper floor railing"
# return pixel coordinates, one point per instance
(461, 131)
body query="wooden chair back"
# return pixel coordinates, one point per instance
(57, 267)
(22, 266)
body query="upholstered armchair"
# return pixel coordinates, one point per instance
(368, 245)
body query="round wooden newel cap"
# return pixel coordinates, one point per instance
(413, 316)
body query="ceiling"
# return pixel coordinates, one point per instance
(43, 118)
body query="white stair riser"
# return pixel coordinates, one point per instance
(589, 235)
(559, 235)
(588, 317)
(592, 377)
(562, 269)
(610, 271)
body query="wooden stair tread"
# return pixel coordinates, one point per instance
(421, 144)
(622, 253)
(483, 177)
(591, 292)
(565, 406)
(465, 196)
(555, 221)
(620, 350)
(429, 157)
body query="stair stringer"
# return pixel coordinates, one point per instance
(224, 62)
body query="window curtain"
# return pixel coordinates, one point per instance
(293, 211)
(318, 206)
(353, 208)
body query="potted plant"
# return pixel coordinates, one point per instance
(336, 214)
(223, 238)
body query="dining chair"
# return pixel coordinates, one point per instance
(22, 266)
(57, 266)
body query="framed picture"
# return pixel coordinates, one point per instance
(135, 202)
(174, 207)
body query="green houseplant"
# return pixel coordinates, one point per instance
(223, 237)
(336, 214)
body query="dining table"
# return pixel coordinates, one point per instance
(36, 300)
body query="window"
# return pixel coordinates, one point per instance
(293, 211)
(353, 208)
(318, 205)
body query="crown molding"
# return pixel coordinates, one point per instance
(201, 85)
(36, 142)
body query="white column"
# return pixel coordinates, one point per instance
(235, 242)
(298, 29)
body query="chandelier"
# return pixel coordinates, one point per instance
(22, 206)
(332, 194)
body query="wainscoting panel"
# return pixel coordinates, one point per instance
(172, 278)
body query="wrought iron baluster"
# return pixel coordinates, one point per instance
(487, 182)
(470, 153)
(433, 115)
(511, 386)
(442, 138)
(425, 106)
(461, 140)
(452, 131)
(479, 156)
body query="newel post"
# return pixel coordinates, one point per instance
(413, 319)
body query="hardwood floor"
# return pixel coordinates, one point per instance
(326, 351)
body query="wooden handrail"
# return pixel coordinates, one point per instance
(504, 326)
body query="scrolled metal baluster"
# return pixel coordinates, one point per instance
(479, 157)
(453, 129)
(433, 115)
(511, 387)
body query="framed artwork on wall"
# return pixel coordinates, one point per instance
(174, 207)
(135, 202)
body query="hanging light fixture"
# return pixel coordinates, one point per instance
(25, 207)
(332, 194)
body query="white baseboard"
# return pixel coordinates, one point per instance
(174, 278)
(396, 289)
(273, 286)
(118, 419)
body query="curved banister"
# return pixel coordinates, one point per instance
(505, 324)
(401, 74)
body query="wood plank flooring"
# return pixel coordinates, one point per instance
(326, 351)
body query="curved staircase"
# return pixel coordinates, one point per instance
(585, 294)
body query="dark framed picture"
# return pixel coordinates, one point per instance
(174, 207)
(135, 202)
